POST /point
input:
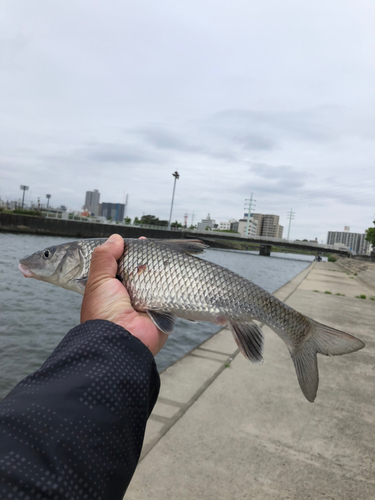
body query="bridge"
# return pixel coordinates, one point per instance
(266, 242)
(83, 227)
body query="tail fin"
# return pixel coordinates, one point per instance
(327, 341)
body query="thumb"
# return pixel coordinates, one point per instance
(104, 260)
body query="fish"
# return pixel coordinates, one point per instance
(166, 279)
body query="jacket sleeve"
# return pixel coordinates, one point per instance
(74, 429)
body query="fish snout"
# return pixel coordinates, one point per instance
(25, 271)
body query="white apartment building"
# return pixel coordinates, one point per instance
(354, 241)
(206, 223)
(225, 226)
(241, 226)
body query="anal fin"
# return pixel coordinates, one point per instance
(250, 340)
(163, 320)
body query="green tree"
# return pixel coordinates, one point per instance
(176, 224)
(226, 231)
(127, 220)
(152, 220)
(370, 235)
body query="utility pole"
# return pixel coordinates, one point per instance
(249, 209)
(176, 176)
(126, 205)
(24, 188)
(290, 216)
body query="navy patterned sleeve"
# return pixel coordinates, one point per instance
(74, 429)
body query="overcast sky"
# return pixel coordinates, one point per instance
(274, 98)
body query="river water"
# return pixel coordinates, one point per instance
(34, 316)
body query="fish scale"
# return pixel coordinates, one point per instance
(164, 280)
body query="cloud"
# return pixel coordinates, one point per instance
(254, 142)
(161, 138)
(117, 154)
(266, 130)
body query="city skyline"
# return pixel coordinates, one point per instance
(273, 99)
(116, 211)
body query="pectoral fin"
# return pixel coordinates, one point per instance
(81, 285)
(163, 320)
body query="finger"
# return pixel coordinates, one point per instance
(104, 259)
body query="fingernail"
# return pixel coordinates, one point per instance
(112, 238)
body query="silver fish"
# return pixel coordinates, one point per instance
(165, 280)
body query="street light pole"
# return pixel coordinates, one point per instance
(176, 176)
(24, 188)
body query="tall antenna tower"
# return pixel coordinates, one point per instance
(290, 216)
(186, 219)
(249, 208)
(192, 219)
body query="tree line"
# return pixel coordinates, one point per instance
(152, 220)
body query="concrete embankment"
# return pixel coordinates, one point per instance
(15, 223)
(226, 429)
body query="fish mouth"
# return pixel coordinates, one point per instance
(25, 271)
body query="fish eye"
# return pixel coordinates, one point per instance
(47, 253)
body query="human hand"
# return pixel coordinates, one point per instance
(106, 297)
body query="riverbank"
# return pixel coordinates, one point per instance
(26, 224)
(225, 429)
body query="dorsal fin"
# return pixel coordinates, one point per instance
(185, 246)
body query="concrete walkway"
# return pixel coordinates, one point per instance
(226, 429)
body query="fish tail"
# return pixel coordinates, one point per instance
(324, 340)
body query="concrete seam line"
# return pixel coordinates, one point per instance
(171, 422)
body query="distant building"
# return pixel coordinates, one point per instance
(270, 226)
(241, 226)
(354, 241)
(113, 211)
(267, 225)
(259, 219)
(225, 226)
(92, 202)
(206, 223)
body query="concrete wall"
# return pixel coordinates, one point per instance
(14, 223)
